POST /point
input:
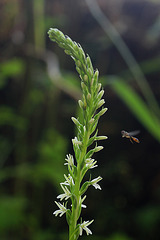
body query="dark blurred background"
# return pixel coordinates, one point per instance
(39, 89)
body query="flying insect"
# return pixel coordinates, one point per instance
(130, 136)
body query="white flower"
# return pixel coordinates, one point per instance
(95, 184)
(76, 142)
(69, 180)
(90, 163)
(83, 226)
(70, 160)
(62, 209)
(67, 194)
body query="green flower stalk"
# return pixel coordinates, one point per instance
(91, 107)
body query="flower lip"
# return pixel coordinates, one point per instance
(67, 194)
(84, 226)
(95, 184)
(62, 209)
(70, 160)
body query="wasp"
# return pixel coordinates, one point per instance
(130, 136)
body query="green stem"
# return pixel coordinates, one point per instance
(75, 207)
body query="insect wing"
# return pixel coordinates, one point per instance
(133, 133)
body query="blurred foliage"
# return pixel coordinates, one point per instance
(11, 213)
(38, 89)
(139, 108)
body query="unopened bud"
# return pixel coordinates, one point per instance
(85, 78)
(88, 96)
(97, 149)
(100, 94)
(103, 111)
(101, 138)
(101, 102)
(99, 86)
(75, 120)
(78, 63)
(96, 74)
(91, 120)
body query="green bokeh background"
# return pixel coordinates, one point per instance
(39, 89)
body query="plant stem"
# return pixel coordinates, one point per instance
(75, 207)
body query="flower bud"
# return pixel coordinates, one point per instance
(78, 63)
(88, 96)
(76, 122)
(91, 120)
(97, 149)
(81, 104)
(96, 74)
(103, 111)
(67, 52)
(90, 72)
(85, 78)
(89, 63)
(101, 138)
(100, 94)
(99, 86)
(101, 102)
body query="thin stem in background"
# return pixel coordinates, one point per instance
(39, 27)
(115, 37)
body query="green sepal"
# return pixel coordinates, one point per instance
(94, 82)
(68, 216)
(79, 211)
(94, 126)
(75, 173)
(100, 113)
(84, 187)
(90, 153)
(100, 95)
(100, 103)
(84, 170)
(77, 150)
(89, 63)
(92, 139)
(84, 89)
(71, 170)
(77, 123)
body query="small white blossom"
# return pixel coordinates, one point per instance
(84, 226)
(90, 163)
(76, 142)
(67, 194)
(95, 184)
(70, 160)
(69, 180)
(62, 209)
